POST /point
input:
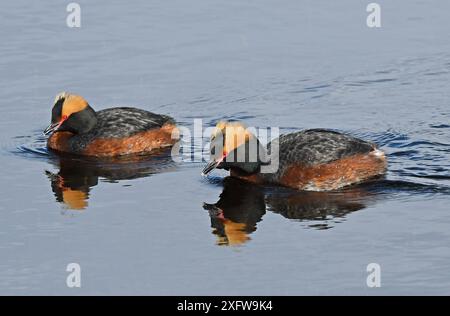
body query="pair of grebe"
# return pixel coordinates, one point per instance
(314, 159)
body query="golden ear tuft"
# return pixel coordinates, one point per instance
(73, 104)
(221, 125)
(235, 134)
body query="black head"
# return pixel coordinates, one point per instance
(71, 113)
(233, 146)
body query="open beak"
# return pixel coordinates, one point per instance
(213, 163)
(210, 167)
(53, 127)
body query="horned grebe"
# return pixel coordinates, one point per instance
(77, 129)
(315, 159)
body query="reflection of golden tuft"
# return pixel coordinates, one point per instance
(74, 199)
(235, 234)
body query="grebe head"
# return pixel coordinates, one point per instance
(233, 145)
(71, 113)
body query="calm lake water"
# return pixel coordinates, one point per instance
(144, 228)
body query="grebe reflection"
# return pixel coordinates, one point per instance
(242, 205)
(76, 177)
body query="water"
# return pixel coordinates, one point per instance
(152, 226)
